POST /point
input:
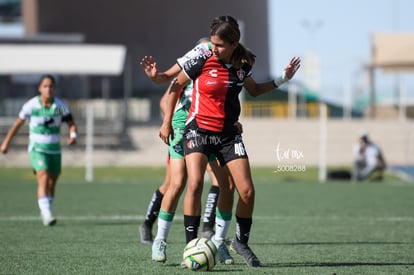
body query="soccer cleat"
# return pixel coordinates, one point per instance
(244, 250)
(159, 251)
(48, 220)
(145, 234)
(223, 253)
(182, 264)
(207, 234)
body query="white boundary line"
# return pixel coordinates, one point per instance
(179, 217)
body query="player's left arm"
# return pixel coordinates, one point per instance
(163, 101)
(256, 89)
(73, 128)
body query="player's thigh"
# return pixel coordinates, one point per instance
(178, 172)
(196, 163)
(219, 174)
(240, 172)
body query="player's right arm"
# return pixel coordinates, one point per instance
(10, 134)
(149, 64)
(151, 70)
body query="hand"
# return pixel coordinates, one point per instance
(292, 67)
(239, 127)
(165, 132)
(71, 141)
(150, 66)
(4, 148)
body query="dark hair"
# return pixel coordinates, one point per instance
(45, 76)
(365, 139)
(227, 29)
(225, 19)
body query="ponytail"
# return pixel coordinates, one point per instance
(241, 55)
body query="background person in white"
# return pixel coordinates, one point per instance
(45, 114)
(368, 159)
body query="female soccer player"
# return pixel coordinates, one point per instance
(218, 77)
(45, 114)
(177, 169)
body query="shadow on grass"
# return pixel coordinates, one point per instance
(335, 243)
(335, 264)
(217, 268)
(339, 264)
(118, 223)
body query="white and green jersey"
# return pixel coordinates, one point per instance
(44, 124)
(181, 111)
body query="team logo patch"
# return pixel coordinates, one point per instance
(208, 53)
(241, 74)
(178, 148)
(213, 73)
(190, 144)
(58, 111)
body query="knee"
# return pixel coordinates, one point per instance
(177, 184)
(247, 195)
(195, 187)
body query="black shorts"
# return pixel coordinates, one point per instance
(226, 146)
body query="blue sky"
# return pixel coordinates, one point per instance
(339, 32)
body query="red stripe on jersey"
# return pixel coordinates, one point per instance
(215, 96)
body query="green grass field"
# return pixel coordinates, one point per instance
(300, 226)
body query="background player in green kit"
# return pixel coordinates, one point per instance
(45, 114)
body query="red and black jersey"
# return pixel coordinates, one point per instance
(215, 100)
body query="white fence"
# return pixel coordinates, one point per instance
(297, 141)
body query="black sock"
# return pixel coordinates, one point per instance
(210, 208)
(191, 224)
(153, 208)
(243, 229)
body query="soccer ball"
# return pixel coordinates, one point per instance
(200, 255)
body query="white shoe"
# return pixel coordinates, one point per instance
(159, 251)
(223, 253)
(49, 220)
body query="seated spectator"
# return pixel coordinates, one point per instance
(369, 162)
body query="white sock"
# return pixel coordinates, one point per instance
(44, 206)
(163, 229)
(50, 199)
(222, 228)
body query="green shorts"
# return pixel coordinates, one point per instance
(43, 161)
(176, 148)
